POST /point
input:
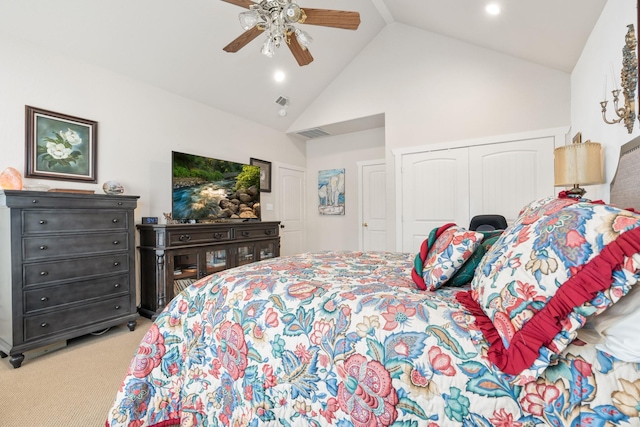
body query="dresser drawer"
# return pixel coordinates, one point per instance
(257, 232)
(58, 321)
(187, 237)
(42, 247)
(45, 272)
(52, 296)
(55, 221)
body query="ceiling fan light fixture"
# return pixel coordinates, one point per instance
(268, 48)
(303, 38)
(292, 13)
(249, 19)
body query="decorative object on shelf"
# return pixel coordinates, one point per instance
(331, 192)
(70, 190)
(60, 146)
(112, 188)
(276, 18)
(265, 174)
(629, 82)
(36, 187)
(10, 179)
(578, 164)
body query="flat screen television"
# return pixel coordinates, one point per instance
(213, 190)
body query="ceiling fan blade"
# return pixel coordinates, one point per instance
(242, 40)
(303, 56)
(332, 18)
(241, 3)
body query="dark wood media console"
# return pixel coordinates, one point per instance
(172, 256)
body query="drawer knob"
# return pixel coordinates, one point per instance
(44, 273)
(268, 232)
(44, 299)
(42, 221)
(117, 285)
(184, 238)
(246, 233)
(116, 242)
(119, 203)
(114, 220)
(117, 263)
(43, 248)
(218, 235)
(117, 307)
(44, 324)
(34, 201)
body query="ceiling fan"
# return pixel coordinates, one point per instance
(276, 18)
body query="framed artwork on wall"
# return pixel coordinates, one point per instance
(265, 174)
(331, 192)
(59, 146)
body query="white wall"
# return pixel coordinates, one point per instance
(138, 125)
(338, 232)
(434, 89)
(600, 61)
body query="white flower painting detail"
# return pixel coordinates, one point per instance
(331, 192)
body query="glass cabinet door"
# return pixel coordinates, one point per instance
(267, 250)
(246, 254)
(185, 270)
(216, 260)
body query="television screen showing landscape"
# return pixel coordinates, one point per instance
(208, 189)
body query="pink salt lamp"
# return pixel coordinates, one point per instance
(10, 179)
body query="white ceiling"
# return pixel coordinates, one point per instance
(177, 44)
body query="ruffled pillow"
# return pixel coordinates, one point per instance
(561, 261)
(441, 258)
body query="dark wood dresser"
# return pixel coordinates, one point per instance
(67, 267)
(172, 256)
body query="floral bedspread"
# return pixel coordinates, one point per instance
(345, 339)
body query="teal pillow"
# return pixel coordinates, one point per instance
(466, 272)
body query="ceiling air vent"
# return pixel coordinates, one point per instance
(313, 133)
(282, 101)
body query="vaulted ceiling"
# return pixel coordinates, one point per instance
(177, 44)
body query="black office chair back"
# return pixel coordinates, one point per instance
(488, 223)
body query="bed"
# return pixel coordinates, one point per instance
(526, 327)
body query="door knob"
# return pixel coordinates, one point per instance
(365, 224)
(281, 225)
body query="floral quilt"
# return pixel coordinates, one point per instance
(345, 339)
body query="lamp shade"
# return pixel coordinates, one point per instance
(578, 164)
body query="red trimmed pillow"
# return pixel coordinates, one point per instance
(453, 246)
(561, 261)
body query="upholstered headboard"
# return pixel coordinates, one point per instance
(625, 187)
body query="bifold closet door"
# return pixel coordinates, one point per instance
(505, 177)
(435, 191)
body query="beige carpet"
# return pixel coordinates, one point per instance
(72, 386)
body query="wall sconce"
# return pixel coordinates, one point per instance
(578, 164)
(629, 82)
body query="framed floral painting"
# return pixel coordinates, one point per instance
(59, 146)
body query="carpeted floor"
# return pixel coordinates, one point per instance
(72, 386)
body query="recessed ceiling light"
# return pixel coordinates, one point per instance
(493, 9)
(279, 76)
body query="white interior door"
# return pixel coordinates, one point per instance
(373, 206)
(507, 176)
(291, 190)
(435, 191)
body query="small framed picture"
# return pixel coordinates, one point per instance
(265, 174)
(59, 146)
(577, 138)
